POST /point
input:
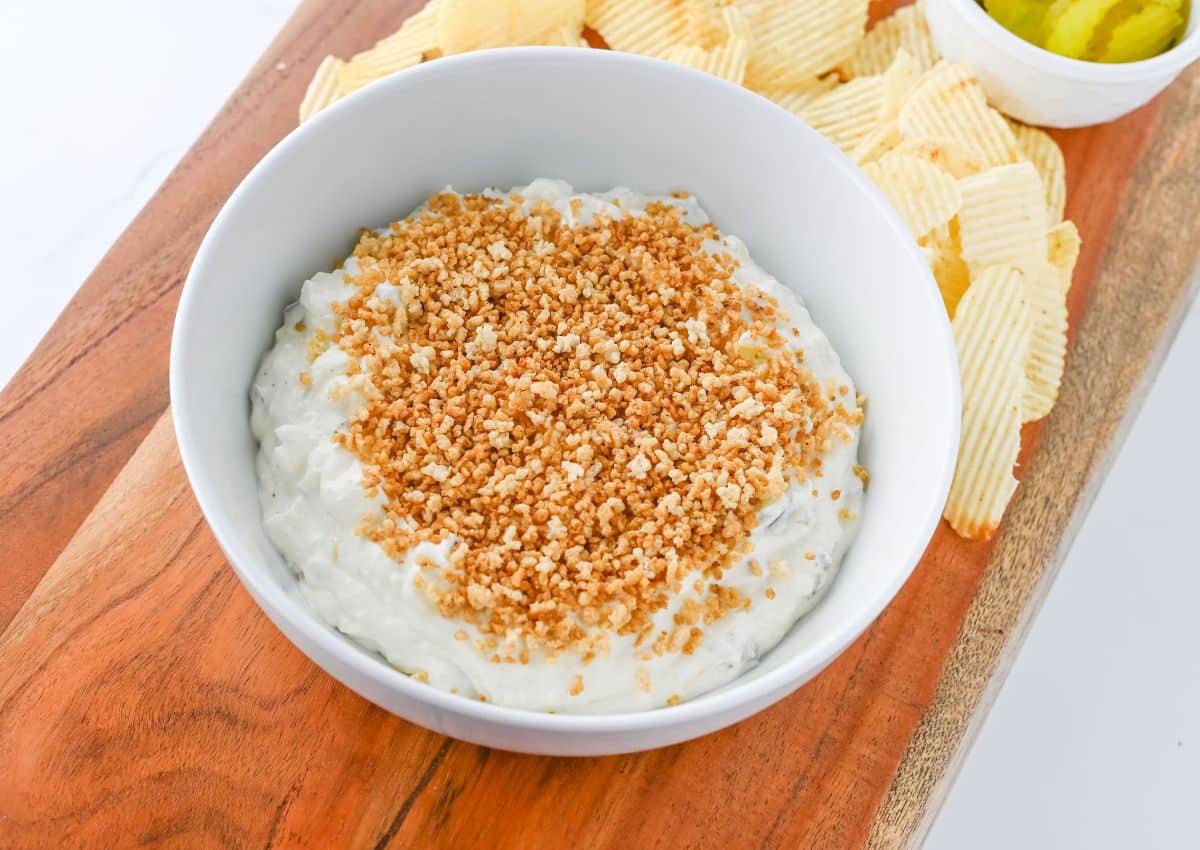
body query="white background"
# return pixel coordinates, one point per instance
(1095, 739)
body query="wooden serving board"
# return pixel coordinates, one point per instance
(144, 699)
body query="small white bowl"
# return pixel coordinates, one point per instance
(597, 119)
(1039, 87)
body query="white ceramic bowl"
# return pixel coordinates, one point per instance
(597, 119)
(1039, 87)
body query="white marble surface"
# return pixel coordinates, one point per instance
(1095, 739)
(101, 100)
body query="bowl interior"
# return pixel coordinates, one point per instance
(596, 119)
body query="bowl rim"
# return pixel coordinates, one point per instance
(282, 608)
(1185, 52)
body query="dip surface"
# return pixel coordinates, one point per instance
(586, 456)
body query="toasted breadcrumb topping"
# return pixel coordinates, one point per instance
(591, 412)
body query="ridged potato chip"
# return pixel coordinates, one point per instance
(1003, 217)
(464, 25)
(797, 39)
(948, 103)
(795, 96)
(322, 89)
(992, 332)
(943, 251)
(648, 27)
(905, 28)
(898, 82)
(848, 113)
(925, 196)
(876, 143)
(568, 36)
(1048, 342)
(1037, 147)
(728, 59)
(704, 25)
(948, 156)
(402, 49)
(1062, 251)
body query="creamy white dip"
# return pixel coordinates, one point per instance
(313, 500)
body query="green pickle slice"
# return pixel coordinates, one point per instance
(1021, 17)
(1145, 34)
(1095, 30)
(1071, 30)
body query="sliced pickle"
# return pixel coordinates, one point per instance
(1145, 34)
(1070, 32)
(1095, 30)
(1021, 17)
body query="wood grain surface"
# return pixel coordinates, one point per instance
(75, 412)
(144, 699)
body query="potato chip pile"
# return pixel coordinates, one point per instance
(983, 195)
